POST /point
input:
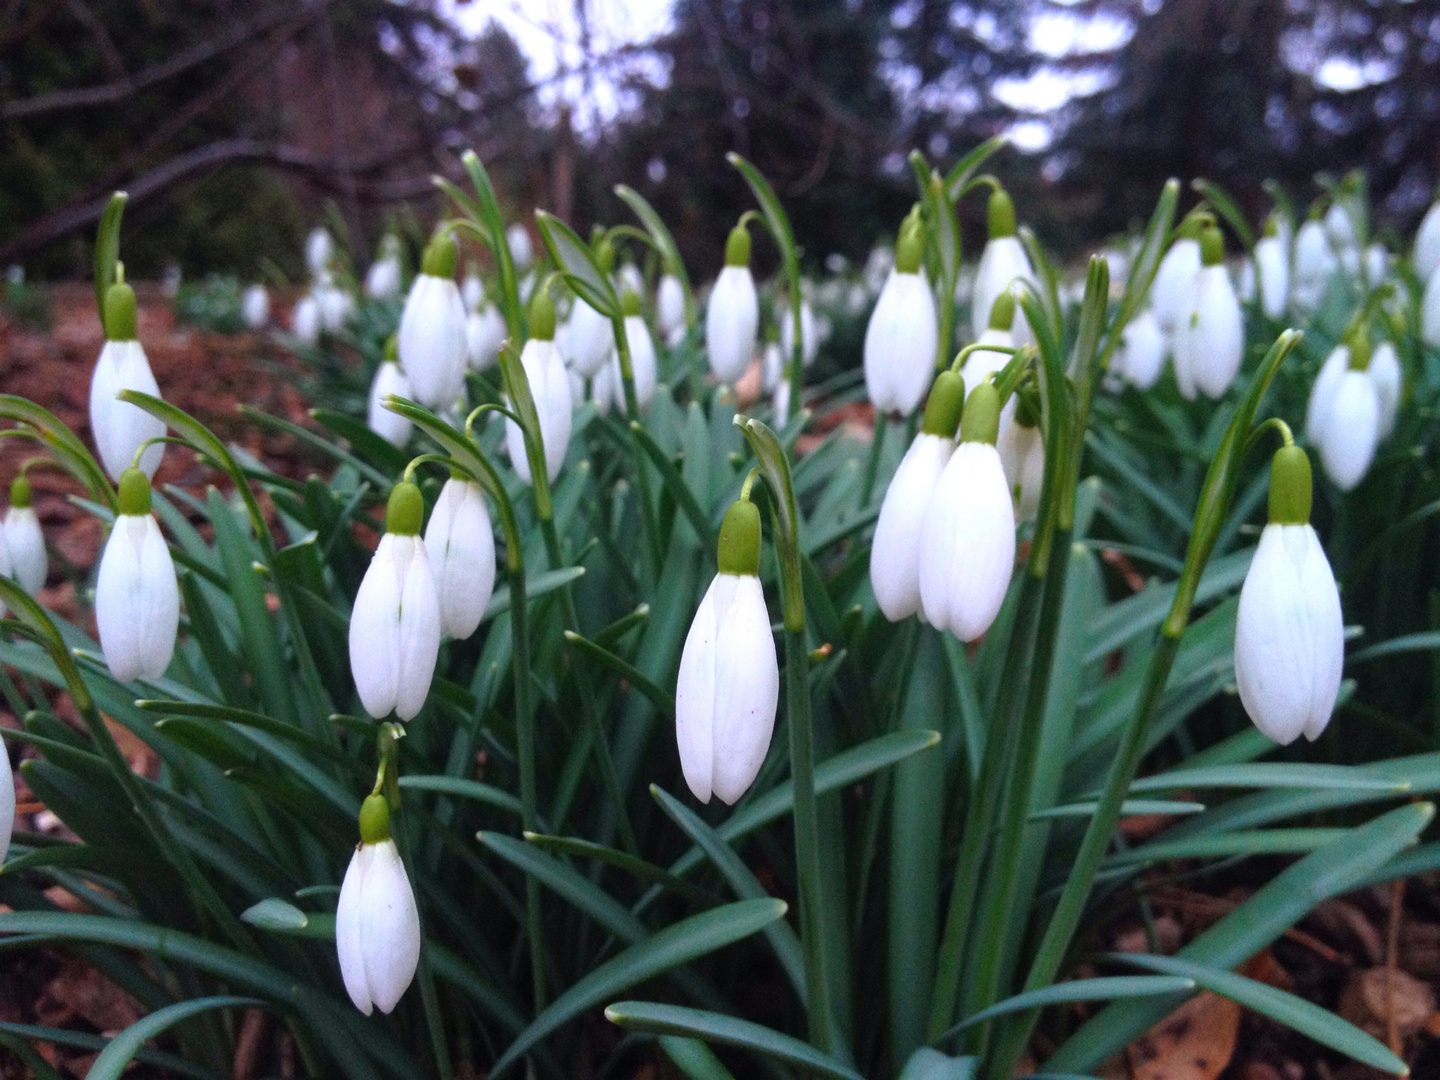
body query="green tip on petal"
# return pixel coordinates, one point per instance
(942, 408)
(406, 510)
(392, 349)
(737, 247)
(1002, 312)
(981, 419)
(910, 247)
(120, 317)
(542, 316)
(374, 820)
(739, 549)
(134, 494)
(440, 257)
(1290, 487)
(1212, 246)
(1001, 214)
(630, 303)
(20, 492)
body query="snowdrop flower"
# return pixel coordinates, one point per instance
(809, 332)
(336, 305)
(377, 926)
(1322, 391)
(1273, 270)
(1343, 418)
(900, 342)
(472, 291)
(1314, 263)
(395, 623)
(605, 389)
(1003, 261)
(549, 387)
(26, 560)
(772, 361)
(255, 306)
(1340, 228)
(592, 339)
(982, 363)
(1377, 265)
(670, 308)
(1210, 343)
(1141, 355)
(967, 537)
(305, 320)
(895, 551)
(521, 252)
(319, 249)
(137, 602)
(461, 545)
(1022, 455)
(1385, 373)
(118, 427)
(1430, 310)
(642, 356)
(484, 334)
(7, 803)
(629, 277)
(1427, 242)
(382, 280)
(729, 681)
(1289, 634)
(432, 329)
(732, 317)
(1173, 291)
(389, 379)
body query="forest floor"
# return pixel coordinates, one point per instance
(1373, 956)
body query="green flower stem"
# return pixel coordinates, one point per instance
(872, 461)
(632, 410)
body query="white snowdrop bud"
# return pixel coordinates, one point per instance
(389, 379)
(728, 686)
(1377, 265)
(118, 427)
(1273, 277)
(895, 550)
(1289, 634)
(305, 320)
(1173, 291)
(1351, 433)
(549, 387)
(521, 251)
(1141, 355)
(1022, 454)
(382, 280)
(484, 334)
(336, 305)
(982, 363)
(1210, 343)
(395, 623)
(255, 306)
(377, 926)
(460, 544)
(137, 602)
(670, 307)
(1001, 262)
(1314, 263)
(642, 357)
(732, 317)
(472, 291)
(24, 540)
(319, 249)
(592, 339)
(809, 332)
(1427, 243)
(1322, 392)
(900, 341)
(1389, 380)
(432, 329)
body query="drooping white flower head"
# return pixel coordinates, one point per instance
(1430, 310)
(732, 317)
(628, 277)
(1273, 263)
(1001, 262)
(772, 361)
(319, 249)
(967, 537)
(1314, 263)
(901, 339)
(472, 291)
(522, 253)
(810, 332)
(642, 356)
(1376, 265)
(255, 306)
(592, 339)
(982, 363)
(1389, 381)
(137, 602)
(728, 686)
(1427, 243)
(1172, 294)
(25, 557)
(336, 304)
(389, 379)
(1322, 392)
(460, 544)
(895, 550)
(484, 334)
(1351, 434)
(1340, 228)
(118, 427)
(395, 623)
(1141, 356)
(549, 387)
(1289, 634)
(432, 329)
(670, 308)
(305, 320)
(377, 926)
(382, 280)
(1022, 454)
(1210, 342)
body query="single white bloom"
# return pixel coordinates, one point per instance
(1211, 342)
(1386, 374)
(1430, 311)
(1377, 265)
(336, 305)
(382, 280)
(642, 364)
(900, 344)
(1173, 291)
(728, 689)
(895, 550)
(390, 426)
(26, 560)
(319, 249)
(1314, 263)
(982, 363)
(484, 334)
(772, 366)
(1002, 262)
(1339, 228)
(1289, 635)
(1427, 243)
(521, 252)
(732, 320)
(117, 426)
(967, 543)
(305, 320)
(669, 306)
(395, 628)
(1351, 433)
(432, 340)
(1245, 285)
(137, 602)
(1322, 392)
(550, 387)
(460, 543)
(472, 292)
(605, 389)
(1274, 275)
(809, 333)
(1022, 454)
(592, 339)
(377, 928)
(629, 279)
(255, 306)
(1141, 354)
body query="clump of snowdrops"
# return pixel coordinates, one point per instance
(811, 761)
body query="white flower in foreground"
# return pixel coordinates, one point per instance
(1430, 311)
(1273, 263)
(895, 550)
(642, 356)
(900, 341)
(319, 249)
(1389, 380)
(810, 332)
(1289, 634)
(521, 251)
(550, 389)
(305, 320)
(395, 623)
(137, 602)
(118, 427)
(484, 334)
(432, 329)
(389, 379)
(377, 926)
(1141, 355)
(24, 541)
(255, 306)
(967, 538)
(1210, 343)
(1173, 292)
(732, 317)
(1002, 262)
(729, 681)
(1427, 242)
(460, 544)
(670, 307)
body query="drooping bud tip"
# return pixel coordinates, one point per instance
(1001, 214)
(910, 247)
(980, 421)
(1212, 246)
(1002, 312)
(20, 492)
(630, 303)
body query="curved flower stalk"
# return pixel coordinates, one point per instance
(377, 925)
(24, 557)
(432, 342)
(1173, 291)
(460, 543)
(255, 306)
(967, 539)
(1272, 270)
(484, 334)
(1210, 341)
(1002, 262)
(900, 340)
(895, 550)
(728, 688)
(642, 356)
(119, 428)
(550, 388)
(1140, 357)
(732, 317)
(137, 602)
(395, 623)
(1426, 255)
(389, 379)
(1289, 633)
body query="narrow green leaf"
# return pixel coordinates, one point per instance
(663, 699)
(577, 263)
(1129, 808)
(1224, 204)
(963, 170)
(107, 249)
(569, 884)
(463, 788)
(1106, 988)
(621, 860)
(664, 241)
(694, 1058)
(1269, 775)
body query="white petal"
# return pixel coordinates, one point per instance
(982, 552)
(642, 360)
(1430, 310)
(747, 691)
(1274, 275)
(1322, 392)
(119, 427)
(7, 803)
(556, 410)
(1350, 436)
(375, 632)
(1003, 261)
(1172, 293)
(1385, 372)
(895, 550)
(695, 689)
(432, 342)
(900, 344)
(592, 338)
(159, 602)
(419, 643)
(1214, 338)
(118, 598)
(1275, 656)
(25, 549)
(669, 305)
(1427, 243)
(1144, 350)
(390, 426)
(461, 546)
(348, 930)
(732, 320)
(1327, 630)
(389, 928)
